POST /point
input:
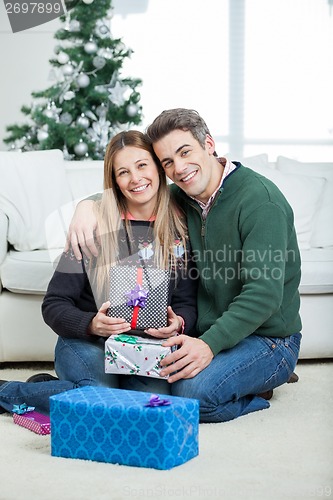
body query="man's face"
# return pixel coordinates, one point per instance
(193, 168)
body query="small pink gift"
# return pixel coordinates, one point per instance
(36, 422)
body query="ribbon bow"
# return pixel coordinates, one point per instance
(22, 409)
(137, 296)
(128, 339)
(155, 400)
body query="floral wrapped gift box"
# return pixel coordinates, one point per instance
(132, 355)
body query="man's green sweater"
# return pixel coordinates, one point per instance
(248, 261)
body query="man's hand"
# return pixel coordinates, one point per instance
(192, 357)
(83, 231)
(104, 326)
(175, 324)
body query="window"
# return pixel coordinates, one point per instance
(259, 72)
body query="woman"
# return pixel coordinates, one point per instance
(137, 221)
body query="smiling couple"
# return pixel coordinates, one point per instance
(246, 338)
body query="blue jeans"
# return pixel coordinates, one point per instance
(77, 363)
(229, 386)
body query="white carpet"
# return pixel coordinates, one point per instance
(285, 452)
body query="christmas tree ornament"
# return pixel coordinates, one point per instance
(63, 58)
(100, 89)
(99, 62)
(90, 47)
(83, 80)
(51, 111)
(81, 148)
(67, 70)
(66, 118)
(69, 95)
(42, 134)
(83, 121)
(101, 29)
(87, 2)
(116, 94)
(74, 26)
(122, 47)
(106, 53)
(132, 110)
(48, 112)
(101, 110)
(100, 132)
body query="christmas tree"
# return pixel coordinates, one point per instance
(90, 101)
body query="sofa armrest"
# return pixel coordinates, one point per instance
(3, 239)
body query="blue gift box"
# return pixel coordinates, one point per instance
(116, 426)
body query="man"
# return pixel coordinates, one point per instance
(244, 243)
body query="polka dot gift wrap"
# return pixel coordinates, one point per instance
(126, 282)
(117, 426)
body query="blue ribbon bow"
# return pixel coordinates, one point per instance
(22, 409)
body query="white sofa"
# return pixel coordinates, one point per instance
(38, 193)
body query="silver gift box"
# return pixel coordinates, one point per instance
(135, 356)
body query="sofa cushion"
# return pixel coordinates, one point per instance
(257, 161)
(33, 184)
(84, 177)
(323, 231)
(27, 272)
(304, 195)
(317, 271)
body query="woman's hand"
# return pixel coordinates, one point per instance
(175, 326)
(83, 231)
(104, 326)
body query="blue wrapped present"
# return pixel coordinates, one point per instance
(124, 427)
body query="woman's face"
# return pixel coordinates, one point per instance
(136, 175)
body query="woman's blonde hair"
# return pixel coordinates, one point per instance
(111, 211)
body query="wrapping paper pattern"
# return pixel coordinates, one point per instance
(115, 426)
(36, 422)
(123, 279)
(140, 358)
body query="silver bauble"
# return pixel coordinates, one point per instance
(81, 148)
(83, 121)
(99, 62)
(74, 26)
(101, 29)
(42, 135)
(131, 109)
(101, 110)
(66, 118)
(63, 58)
(67, 70)
(107, 53)
(83, 80)
(90, 47)
(87, 2)
(69, 95)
